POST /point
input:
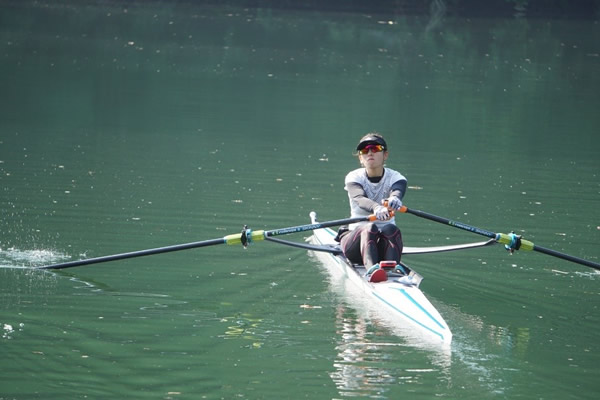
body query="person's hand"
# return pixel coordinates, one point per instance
(394, 203)
(382, 213)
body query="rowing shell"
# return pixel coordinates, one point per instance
(399, 297)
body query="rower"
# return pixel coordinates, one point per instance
(373, 189)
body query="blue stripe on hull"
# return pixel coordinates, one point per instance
(404, 292)
(408, 316)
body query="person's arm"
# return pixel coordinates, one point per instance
(399, 189)
(358, 195)
(394, 201)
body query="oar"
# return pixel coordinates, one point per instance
(512, 241)
(243, 238)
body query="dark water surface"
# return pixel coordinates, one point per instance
(132, 126)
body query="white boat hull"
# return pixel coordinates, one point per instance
(399, 301)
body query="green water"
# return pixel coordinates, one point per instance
(132, 126)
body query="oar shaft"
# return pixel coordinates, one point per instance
(447, 221)
(500, 237)
(567, 257)
(238, 238)
(318, 225)
(140, 253)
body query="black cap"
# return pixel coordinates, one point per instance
(371, 139)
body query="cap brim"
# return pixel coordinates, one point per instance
(364, 143)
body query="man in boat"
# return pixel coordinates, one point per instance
(373, 189)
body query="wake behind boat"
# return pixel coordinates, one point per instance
(399, 296)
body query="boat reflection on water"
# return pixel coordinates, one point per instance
(373, 357)
(369, 339)
(357, 372)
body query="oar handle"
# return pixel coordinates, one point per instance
(392, 212)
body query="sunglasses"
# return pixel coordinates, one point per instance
(374, 148)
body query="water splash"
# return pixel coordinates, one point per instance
(13, 257)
